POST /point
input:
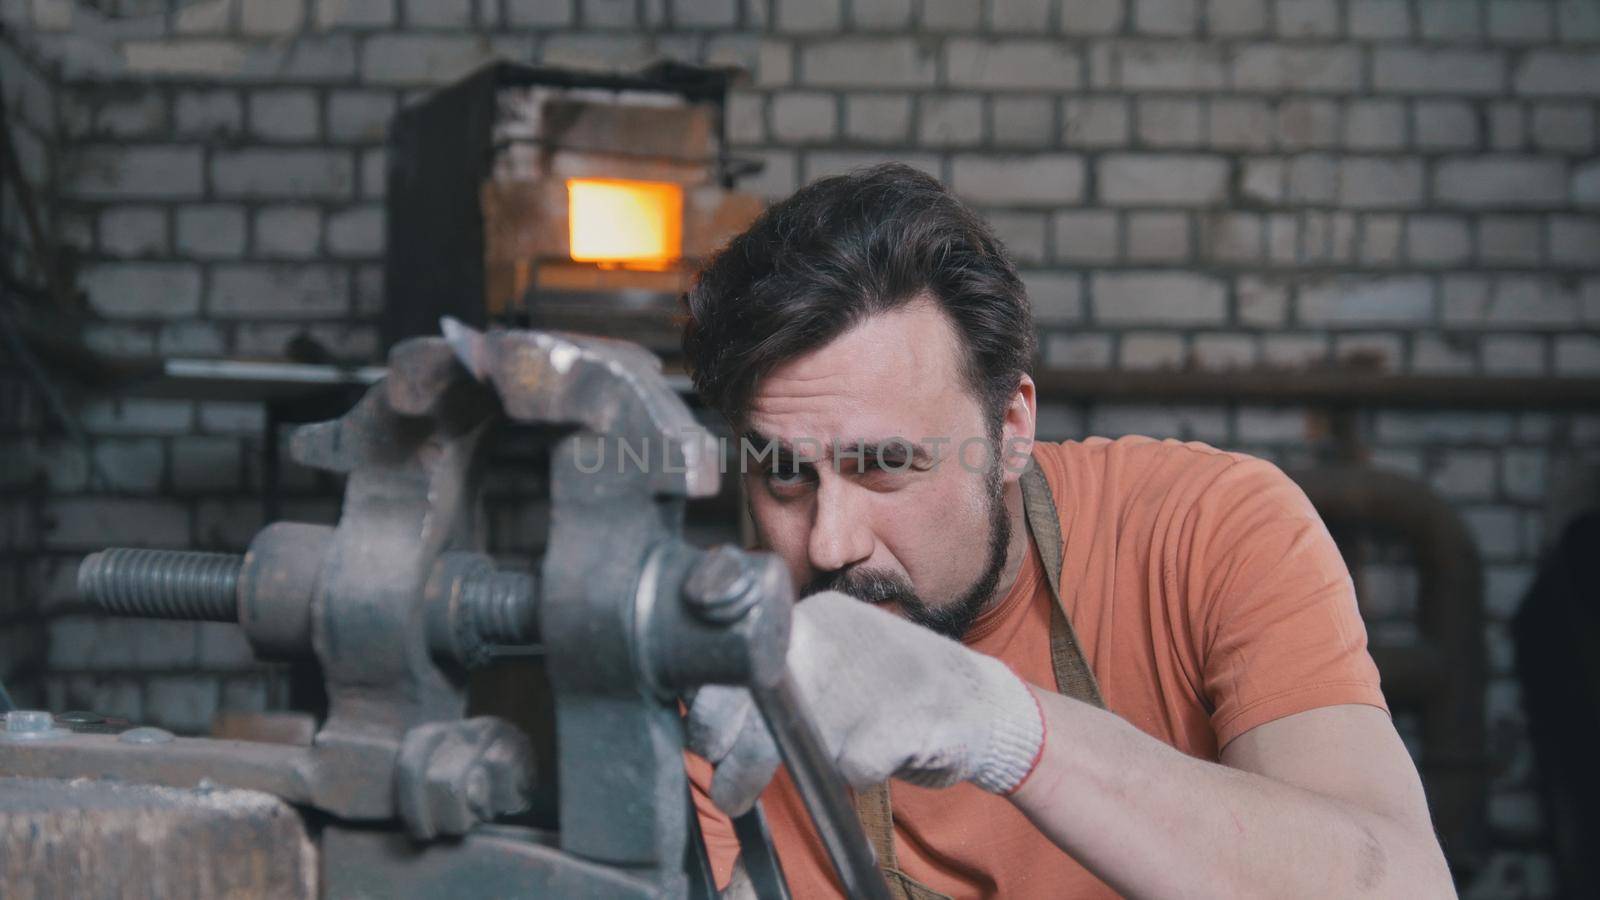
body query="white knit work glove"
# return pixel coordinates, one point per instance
(889, 698)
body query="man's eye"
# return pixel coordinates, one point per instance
(888, 466)
(783, 478)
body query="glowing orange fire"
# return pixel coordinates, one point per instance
(638, 224)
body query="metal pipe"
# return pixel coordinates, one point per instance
(826, 796)
(1317, 387)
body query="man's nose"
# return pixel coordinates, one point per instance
(840, 532)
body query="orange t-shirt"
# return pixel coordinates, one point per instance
(1208, 599)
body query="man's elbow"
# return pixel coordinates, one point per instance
(1402, 859)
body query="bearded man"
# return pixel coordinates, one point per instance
(1091, 668)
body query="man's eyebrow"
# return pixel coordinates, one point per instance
(891, 448)
(762, 442)
(873, 449)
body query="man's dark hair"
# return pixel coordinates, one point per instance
(843, 249)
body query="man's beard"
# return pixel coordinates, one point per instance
(951, 619)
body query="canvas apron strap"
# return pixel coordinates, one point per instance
(1073, 679)
(1073, 676)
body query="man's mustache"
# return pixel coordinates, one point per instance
(875, 586)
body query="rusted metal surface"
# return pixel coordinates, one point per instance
(353, 596)
(1342, 386)
(277, 582)
(453, 775)
(81, 839)
(618, 535)
(295, 728)
(610, 735)
(471, 607)
(491, 863)
(282, 770)
(398, 600)
(408, 450)
(610, 390)
(1443, 675)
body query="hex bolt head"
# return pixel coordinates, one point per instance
(718, 586)
(25, 725)
(28, 721)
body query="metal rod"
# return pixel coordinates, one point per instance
(162, 584)
(505, 606)
(826, 796)
(696, 862)
(760, 860)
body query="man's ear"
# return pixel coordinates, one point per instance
(1017, 429)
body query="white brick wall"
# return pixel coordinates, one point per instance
(292, 291)
(130, 171)
(1032, 180)
(804, 117)
(1164, 180)
(1138, 298)
(880, 62)
(1501, 181)
(1380, 182)
(1438, 71)
(1011, 64)
(1356, 300)
(199, 113)
(298, 173)
(153, 290)
(284, 114)
(1308, 69)
(887, 15)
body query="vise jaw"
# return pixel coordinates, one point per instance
(399, 600)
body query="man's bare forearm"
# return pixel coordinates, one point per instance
(1153, 822)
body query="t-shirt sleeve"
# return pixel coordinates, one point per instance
(722, 845)
(1277, 621)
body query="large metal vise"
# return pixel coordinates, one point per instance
(399, 601)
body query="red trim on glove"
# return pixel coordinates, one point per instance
(1044, 735)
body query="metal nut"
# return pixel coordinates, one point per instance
(19, 721)
(718, 587)
(30, 725)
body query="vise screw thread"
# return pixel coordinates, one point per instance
(163, 584)
(502, 607)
